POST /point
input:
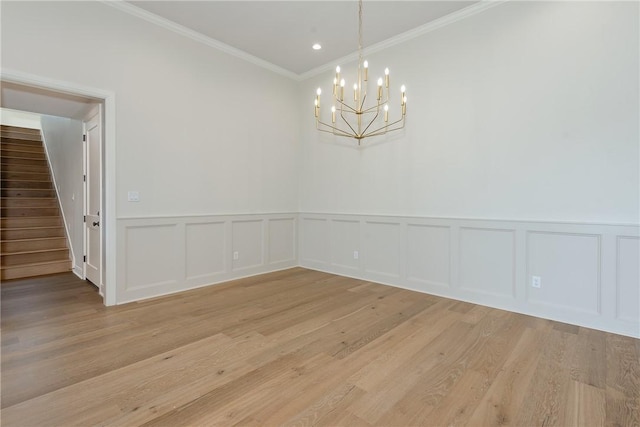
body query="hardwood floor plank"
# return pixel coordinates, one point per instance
(301, 347)
(123, 388)
(586, 405)
(216, 403)
(328, 409)
(623, 381)
(501, 402)
(589, 363)
(550, 383)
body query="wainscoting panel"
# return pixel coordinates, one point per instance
(248, 243)
(569, 266)
(628, 278)
(155, 268)
(428, 255)
(205, 249)
(345, 242)
(282, 240)
(381, 248)
(314, 241)
(487, 261)
(590, 273)
(172, 254)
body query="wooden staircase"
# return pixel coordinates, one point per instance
(32, 235)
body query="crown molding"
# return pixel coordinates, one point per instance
(385, 44)
(459, 15)
(196, 36)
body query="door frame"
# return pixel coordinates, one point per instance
(108, 99)
(96, 110)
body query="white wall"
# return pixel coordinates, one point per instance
(527, 111)
(520, 158)
(63, 141)
(198, 131)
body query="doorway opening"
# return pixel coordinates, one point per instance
(82, 117)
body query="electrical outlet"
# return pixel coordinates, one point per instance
(236, 255)
(536, 282)
(356, 255)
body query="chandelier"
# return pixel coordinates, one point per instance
(360, 118)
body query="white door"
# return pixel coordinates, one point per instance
(93, 198)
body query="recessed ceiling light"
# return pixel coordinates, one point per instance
(316, 46)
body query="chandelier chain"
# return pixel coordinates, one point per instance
(359, 31)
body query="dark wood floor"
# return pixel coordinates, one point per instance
(301, 347)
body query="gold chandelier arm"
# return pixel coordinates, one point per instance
(347, 123)
(384, 129)
(364, 132)
(364, 97)
(375, 108)
(333, 130)
(346, 105)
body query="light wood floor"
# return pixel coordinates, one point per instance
(301, 347)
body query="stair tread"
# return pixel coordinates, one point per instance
(3, 147)
(37, 251)
(34, 264)
(25, 173)
(4, 156)
(22, 198)
(30, 217)
(31, 239)
(23, 180)
(22, 189)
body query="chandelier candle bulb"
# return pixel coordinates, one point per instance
(333, 114)
(366, 70)
(342, 90)
(404, 105)
(338, 73)
(402, 89)
(379, 88)
(355, 91)
(386, 113)
(335, 87)
(386, 77)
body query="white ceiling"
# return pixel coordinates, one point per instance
(282, 32)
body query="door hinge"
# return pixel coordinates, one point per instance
(84, 178)
(85, 219)
(84, 138)
(84, 258)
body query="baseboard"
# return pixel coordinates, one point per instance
(77, 270)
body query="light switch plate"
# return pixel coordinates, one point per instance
(133, 196)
